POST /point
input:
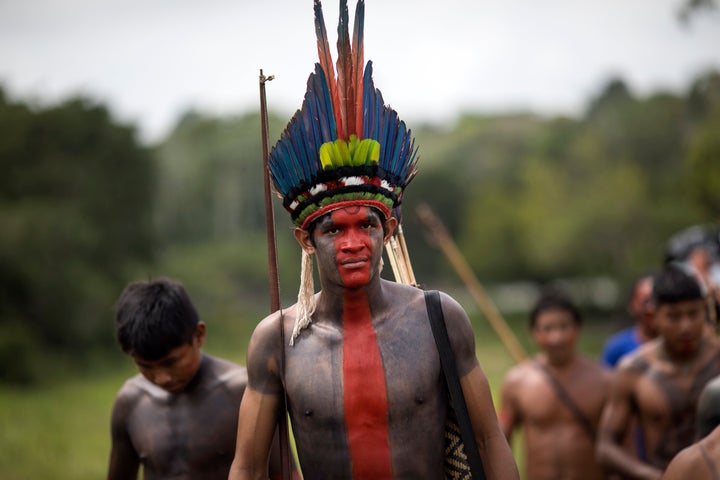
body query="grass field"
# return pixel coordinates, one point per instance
(62, 431)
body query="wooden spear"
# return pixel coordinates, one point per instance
(442, 238)
(273, 274)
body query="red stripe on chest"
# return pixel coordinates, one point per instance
(365, 393)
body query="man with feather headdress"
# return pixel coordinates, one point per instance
(360, 373)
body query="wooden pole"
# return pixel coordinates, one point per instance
(442, 238)
(274, 275)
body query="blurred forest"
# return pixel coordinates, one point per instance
(85, 208)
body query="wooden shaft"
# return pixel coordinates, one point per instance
(269, 214)
(406, 255)
(393, 262)
(443, 240)
(274, 276)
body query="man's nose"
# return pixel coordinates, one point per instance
(353, 239)
(557, 336)
(162, 377)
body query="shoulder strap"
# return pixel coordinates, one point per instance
(447, 361)
(564, 397)
(710, 463)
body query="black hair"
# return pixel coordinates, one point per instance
(554, 299)
(153, 317)
(674, 284)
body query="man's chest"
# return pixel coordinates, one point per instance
(545, 402)
(320, 371)
(186, 436)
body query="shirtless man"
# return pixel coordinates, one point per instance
(363, 381)
(660, 383)
(359, 365)
(177, 417)
(701, 460)
(557, 397)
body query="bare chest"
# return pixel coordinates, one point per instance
(544, 404)
(185, 437)
(316, 373)
(317, 385)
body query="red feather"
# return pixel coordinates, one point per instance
(358, 67)
(345, 75)
(326, 63)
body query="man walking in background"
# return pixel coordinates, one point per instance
(557, 397)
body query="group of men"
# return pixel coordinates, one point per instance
(655, 398)
(658, 409)
(357, 365)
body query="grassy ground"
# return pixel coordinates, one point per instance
(62, 431)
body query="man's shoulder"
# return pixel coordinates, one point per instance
(230, 374)
(137, 388)
(522, 373)
(268, 329)
(688, 463)
(640, 359)
(401, 293)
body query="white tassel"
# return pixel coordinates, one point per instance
(306, 297)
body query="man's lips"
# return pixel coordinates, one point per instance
(353, 262)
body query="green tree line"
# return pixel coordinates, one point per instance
(85, 207)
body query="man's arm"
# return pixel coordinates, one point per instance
(124, 460)
(508, 415)
(495, 452)
(257, 420)
(256, 427)
(614, 426)
(497, 458)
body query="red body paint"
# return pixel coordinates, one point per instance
(365, 391)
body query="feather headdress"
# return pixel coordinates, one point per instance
(344, 146)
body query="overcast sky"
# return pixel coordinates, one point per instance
(151, 60)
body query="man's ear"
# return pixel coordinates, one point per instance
(303, 238)
(200, 332)
(390, 226)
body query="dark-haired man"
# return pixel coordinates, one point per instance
(359, 367)
(177, 417)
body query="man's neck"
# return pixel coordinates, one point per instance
(683, 361)
(559, 363)
(333, 296)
